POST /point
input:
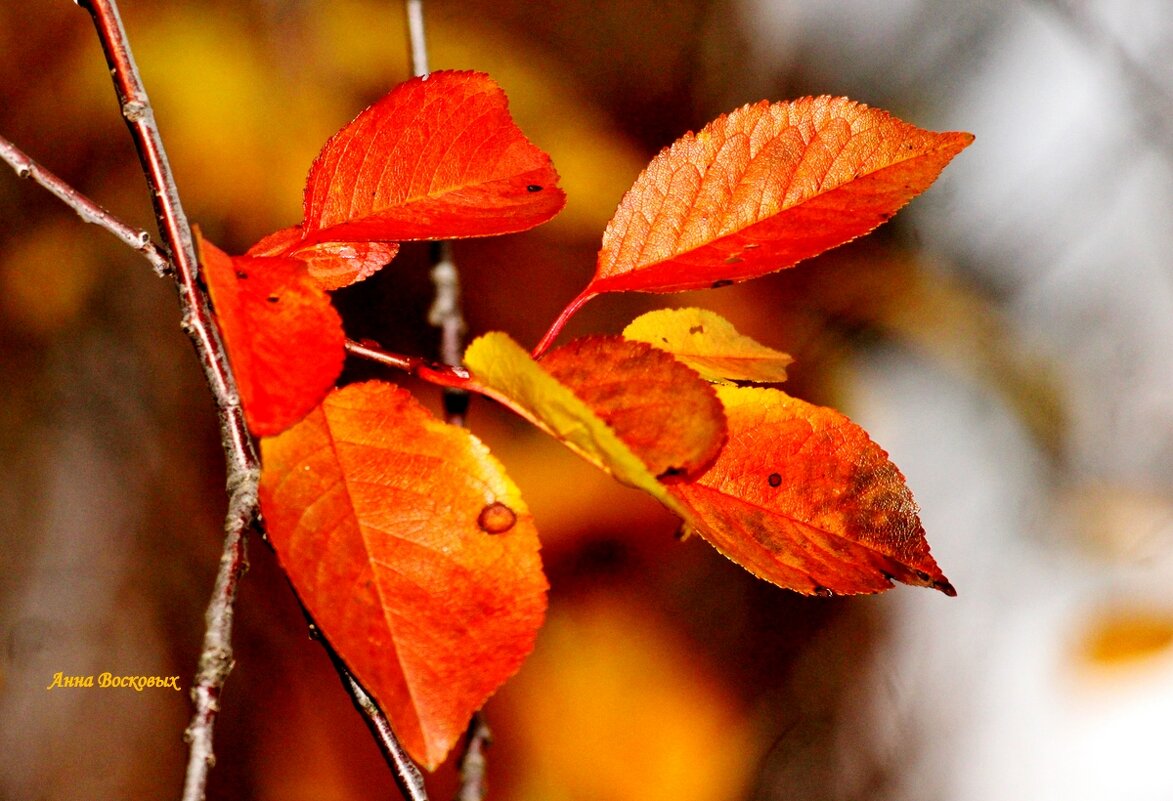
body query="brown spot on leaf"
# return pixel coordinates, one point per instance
(696, 329)
(496, 518)
(775, 480)
(533, 188)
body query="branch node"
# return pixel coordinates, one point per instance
(135, 110)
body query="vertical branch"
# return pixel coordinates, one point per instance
(446, 315)
(473, 764)
(445, 312)
(243, 468)
(415, 35)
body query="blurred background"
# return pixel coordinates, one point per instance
(1006, 338)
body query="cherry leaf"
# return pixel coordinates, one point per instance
(801, 497)
(332, 265)
(658, 406)
(503, 371)
(439, 157)
(413, 551)
(709, 344)
(284, 339)
(763, 188)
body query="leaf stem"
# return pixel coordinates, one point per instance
(88, 210)
(560, 323)
(444, 375)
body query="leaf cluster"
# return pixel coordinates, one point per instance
(402, 534)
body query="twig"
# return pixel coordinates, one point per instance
(88, 210)
(445, 312)
(473, 763)
(407, 775)
(243, 467)
(415, 36)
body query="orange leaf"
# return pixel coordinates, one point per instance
(671, 420)
(762, 188)
(437, 158)
(413, 551)
(801, 497)
(332, 265)
(284, 339)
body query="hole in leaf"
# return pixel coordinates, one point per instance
(496, 518)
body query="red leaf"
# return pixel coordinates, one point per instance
(758, 190)
(801, 497)
(660, 408)
(284, 339)
(762, 188)
(413, 551)
(437, 158)
(332, 265)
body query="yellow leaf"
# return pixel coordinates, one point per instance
(709, 344)
(508, 375)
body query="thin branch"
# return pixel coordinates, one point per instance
(407, 775)
(415, 36)
(243, 467)
(88, 210)
(445, 312)
(473, 764)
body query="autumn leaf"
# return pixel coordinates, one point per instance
(709, 344)
(332, 265)
(659, 407)
(760, 189)
(438, 157)
(502, 370)
(284, 339)
(801, 497)
(763, 188)
(413, 551)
